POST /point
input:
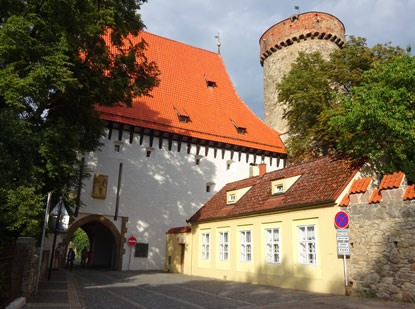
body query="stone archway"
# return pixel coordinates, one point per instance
(116, 263)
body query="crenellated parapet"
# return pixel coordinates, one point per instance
(301, 27)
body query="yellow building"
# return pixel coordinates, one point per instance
(274, 229)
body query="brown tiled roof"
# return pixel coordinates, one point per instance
(391, 181)
(182, 229)
(409, 193)
(322, 181)
(376, 196)
(358, 186)
(215, 113)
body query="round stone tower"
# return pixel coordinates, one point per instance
(279, 47)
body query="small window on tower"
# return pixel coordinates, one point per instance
(117, 146)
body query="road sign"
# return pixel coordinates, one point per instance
(341, 220)
(342, 235)
(343, 248)
(132, 241)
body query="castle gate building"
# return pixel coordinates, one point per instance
(279, 48)
(164, 157)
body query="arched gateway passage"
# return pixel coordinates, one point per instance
(104, 238)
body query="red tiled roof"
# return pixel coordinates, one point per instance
(358, 186)
(391, 181)
(322, 181)
(409, 193)
(176, 230)
(376, 196)
(212, 111)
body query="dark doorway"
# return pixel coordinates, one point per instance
(101, 243)
(182, 247)
(104, 238)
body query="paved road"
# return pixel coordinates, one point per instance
(134, 289)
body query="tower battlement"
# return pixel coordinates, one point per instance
(306, 26)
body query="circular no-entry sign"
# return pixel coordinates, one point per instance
(341, 220)
(132, 241)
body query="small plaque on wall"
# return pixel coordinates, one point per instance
(141, 250)
(99, 189)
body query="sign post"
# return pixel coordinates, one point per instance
(131, 242)
(341, 221)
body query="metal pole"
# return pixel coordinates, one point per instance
(117, 201)
(129, 261)
(43, 240)
(54, 238)
(345, 274)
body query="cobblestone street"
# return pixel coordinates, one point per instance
(133, 289)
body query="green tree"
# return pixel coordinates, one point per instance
(80, 240)
(377, 119)
(311, 92)
(55, 66)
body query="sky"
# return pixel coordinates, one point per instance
(240, 24)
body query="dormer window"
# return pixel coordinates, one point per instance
(183, 115)
(210, 83)
(279, 188)
(241, 130)
(231, 198)
(184, 119)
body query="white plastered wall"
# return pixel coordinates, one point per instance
(160, 191)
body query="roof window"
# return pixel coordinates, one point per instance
(234, 196)
(239, 129)
(210, 83)
(280, 186)
(183, 116)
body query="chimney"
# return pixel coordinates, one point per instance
(262, 169)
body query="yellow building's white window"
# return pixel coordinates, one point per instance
(246, 246)
(272, 245)
(231, 198)
(307, 246)
(223, 246)
(205, 246)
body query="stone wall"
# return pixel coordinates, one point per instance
(382, 262)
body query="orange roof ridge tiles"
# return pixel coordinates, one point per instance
(376, 196)
(181, 229)
(183, 86)
(391, 181)
(360, 185)
(345, 201)
(409, 193)
(322, 181)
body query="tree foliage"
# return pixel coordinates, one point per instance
(80, 240)
(377, 119)
(54, 67)
(357, 101)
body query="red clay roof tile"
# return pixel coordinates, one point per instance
(409, 193)
(360, 185)
(182, 229)
(376, 196)
(391, 181)
(345, 201)
(322, 180)
(183, 86)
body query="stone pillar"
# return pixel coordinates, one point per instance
(26, 251)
